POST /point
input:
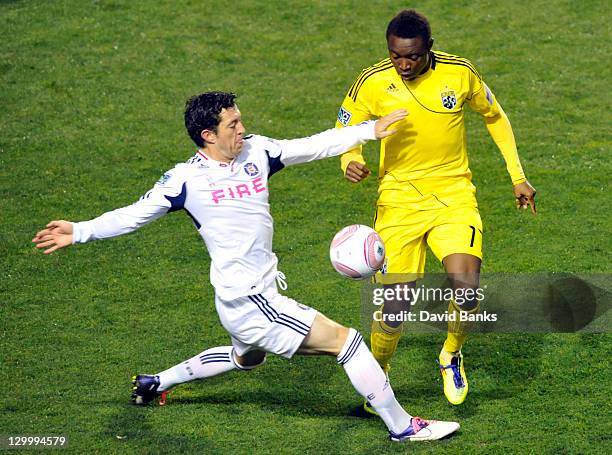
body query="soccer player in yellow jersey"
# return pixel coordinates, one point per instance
(425, 194)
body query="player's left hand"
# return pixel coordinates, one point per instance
(525, 196)
(56, 235)
(385, 122)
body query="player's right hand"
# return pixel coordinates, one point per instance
(382, 124)
(525, 196)
(356, 172)
(57, 234)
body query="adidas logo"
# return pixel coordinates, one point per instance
(392, 88)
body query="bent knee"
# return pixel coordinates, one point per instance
(250, 360)
(326, 337)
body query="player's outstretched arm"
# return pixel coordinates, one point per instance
(334, 141)
(60, 234)
(57, 234)
(525, 196)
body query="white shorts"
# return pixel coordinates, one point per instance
(268, 321)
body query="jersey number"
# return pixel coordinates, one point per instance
(473, 235)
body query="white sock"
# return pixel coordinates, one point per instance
(371, 382)
(207, 364)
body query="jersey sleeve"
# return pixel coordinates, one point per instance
(329, 143)
(484, 102)
(354, 110)
(480, 98)
(158, 201)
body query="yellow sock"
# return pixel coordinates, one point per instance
(384, 341)
(458, 330)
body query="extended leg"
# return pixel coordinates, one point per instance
(327, 337)
(209, 363)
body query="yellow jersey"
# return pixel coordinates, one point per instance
(428, 154)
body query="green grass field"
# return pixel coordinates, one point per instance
(91, 102)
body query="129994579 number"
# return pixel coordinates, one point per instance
(19, 441)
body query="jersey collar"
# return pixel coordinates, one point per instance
(432, 58)
(214, 162)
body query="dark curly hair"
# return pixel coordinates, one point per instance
(202, 113)
(409, 24)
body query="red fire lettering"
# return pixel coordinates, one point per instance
(257, 186)
(217, 195)
(242, 190)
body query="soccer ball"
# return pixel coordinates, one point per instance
(357, 252)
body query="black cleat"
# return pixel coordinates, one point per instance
(145, 389)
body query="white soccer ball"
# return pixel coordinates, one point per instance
(357, 252)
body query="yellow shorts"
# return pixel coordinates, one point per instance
(407, 232)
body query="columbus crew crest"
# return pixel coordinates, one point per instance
(449, 99)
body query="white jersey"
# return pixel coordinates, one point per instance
(228, 203)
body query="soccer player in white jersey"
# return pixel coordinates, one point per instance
(224, 188)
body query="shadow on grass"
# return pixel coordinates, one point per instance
(277, 392)
(301, 387)
(498, 367)
(130, 430)
(504, 365)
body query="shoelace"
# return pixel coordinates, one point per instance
(457, 379)
(281, 280)
(418, 424)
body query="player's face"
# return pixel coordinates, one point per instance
(229, 138)
(410, 56)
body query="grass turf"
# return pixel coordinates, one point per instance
(91, 115)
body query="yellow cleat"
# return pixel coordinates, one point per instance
(453, 375)
(367, 407)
